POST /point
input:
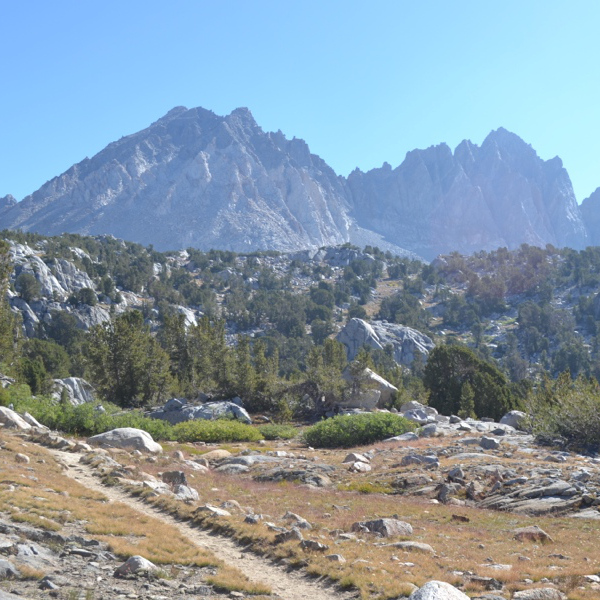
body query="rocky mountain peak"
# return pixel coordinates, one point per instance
(7, 201)
(194, 178)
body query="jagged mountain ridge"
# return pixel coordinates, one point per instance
(196, 179)
(477, 198)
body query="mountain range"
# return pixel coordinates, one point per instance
(196, 179)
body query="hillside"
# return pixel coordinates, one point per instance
(531, 311)
(231, 361)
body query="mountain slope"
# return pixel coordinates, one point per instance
(195, 179)
(499, 194)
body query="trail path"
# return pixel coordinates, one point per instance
(289, 585)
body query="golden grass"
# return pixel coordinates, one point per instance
(371, 568)
(229, 579)
(39, 494)
(473, 546)
(28, 572)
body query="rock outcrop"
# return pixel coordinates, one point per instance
(126, 438)
(176, 411)
(374, 391)
(78, 390)
(406, 342)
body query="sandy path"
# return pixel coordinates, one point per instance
(288, 585)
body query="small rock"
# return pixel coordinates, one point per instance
(489, 443)
(410, 436)
(384, 527)
(359, 467)
(252, 519)
(135, 564)
(285, 536)
(355, 457)
(8, 570)
(456, 473)
(336, 558)
(186, 493)
(214, 510)
(532, 534)
(413, 547)
(313, 546)
(174, 478)
(438, 590)
(538, 594)
(301, 522)
(216, 454)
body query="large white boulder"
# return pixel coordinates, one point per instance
(438, 590)
(9, 418)
(78, 390)
(127, 438)
(405, 341)
(176, 411)
(375, 391)
(514, 418)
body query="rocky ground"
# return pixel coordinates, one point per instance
(328, 511)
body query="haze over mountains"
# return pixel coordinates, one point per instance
(197, 179)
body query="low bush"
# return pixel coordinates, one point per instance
(86, 420)
(567, 413)
(278, 432)
(356, 430)
(222, 430)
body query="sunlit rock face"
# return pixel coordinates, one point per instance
(195, 179)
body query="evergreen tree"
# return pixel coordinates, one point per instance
(28, 286)
(450, 367)
(125, 363)
(9, 332)
(467, 402)
(211, 356)
(174, 340)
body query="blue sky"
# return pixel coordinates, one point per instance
(362, 83)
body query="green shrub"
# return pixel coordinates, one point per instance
(215, 431)
(355, 430)
(567, 413)
(278, 432)
(86, 420)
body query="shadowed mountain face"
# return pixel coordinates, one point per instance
(196, 179)
(499, 194)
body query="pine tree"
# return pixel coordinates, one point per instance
(126, 364)
(467, 402)
(9, 331)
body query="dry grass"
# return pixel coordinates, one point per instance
(40, 494)
(229, 579)
(372, 568)
(377, 571)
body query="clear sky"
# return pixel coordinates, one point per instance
(362, 82)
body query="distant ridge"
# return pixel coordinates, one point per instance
(195, 179)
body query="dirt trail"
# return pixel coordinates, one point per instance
(288, 585)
